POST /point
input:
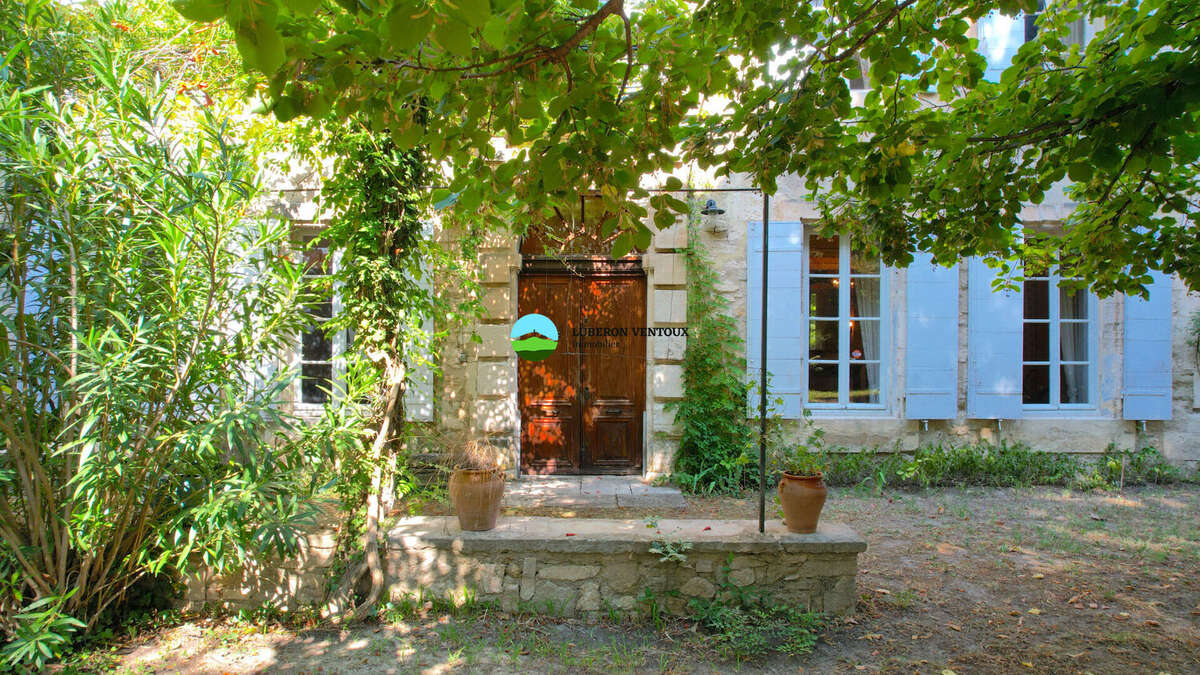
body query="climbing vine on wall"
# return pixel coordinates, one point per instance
(389, 279)
(712, 454)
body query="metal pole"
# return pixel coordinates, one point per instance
(762, 377)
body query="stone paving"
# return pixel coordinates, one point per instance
(590, 492)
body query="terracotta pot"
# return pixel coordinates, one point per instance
(476, 496)
(802, 498)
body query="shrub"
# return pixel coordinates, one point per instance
(138, 423)
(1003, 465)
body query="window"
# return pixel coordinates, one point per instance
(1057, 346)
(1000, 36)
(319, 356)
(845, 325)
(317, 347)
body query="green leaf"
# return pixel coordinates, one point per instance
(453, 37)
(304, 7)
(286, 108)
(622, 245)
(407, 136)
(1106, 157)
(200, 10)
(642, 238)
(551, 176)
(1187, 148)
(495, 31)
(343, 77)
(1080, 172)
(474, 12)
(529, 107)
(405, 28)
(261, 46)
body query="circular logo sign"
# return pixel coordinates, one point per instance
(534, 337)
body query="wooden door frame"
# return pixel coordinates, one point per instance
(593, 267)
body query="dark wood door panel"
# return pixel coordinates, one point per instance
(547, 390)
(547, 438)
(613, 373)
(581, 408)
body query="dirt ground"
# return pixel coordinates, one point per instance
(968, 581)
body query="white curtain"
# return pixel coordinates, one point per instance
(1074, 348)
(866, 296)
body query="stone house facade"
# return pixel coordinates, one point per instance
(1120, 370)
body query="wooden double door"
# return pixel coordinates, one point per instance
(581, 407)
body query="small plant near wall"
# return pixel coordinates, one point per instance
(671, 550)
(745, 624)
(712, 454)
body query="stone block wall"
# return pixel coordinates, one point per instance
(582, 568)
(666, 280)
(286, 584)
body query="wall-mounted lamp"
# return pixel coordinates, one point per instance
(713, 224)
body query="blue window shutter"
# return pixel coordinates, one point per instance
(931, 359)
(787, 345)
(993, 346)
(1148, 352)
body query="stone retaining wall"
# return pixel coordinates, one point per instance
(581, 567)
(566, 566)
(288, 584)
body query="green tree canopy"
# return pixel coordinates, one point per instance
(529, 102)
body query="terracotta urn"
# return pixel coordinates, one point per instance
(476, 496)
(802, 498)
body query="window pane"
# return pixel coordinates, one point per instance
(823, 340)
(822, 383)
(861, 263)
(1074, 339)
(864, 297)
(1037, 300)
(823, 255)
(323, 310)
(317, 346)
(315, 377)
(316, 261)
(1037, 342)
(1036, 384)
(864, 340)
(864, 383)
(1073, 304)
(1074, 384)
(822, 297)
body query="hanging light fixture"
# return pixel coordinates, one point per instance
(711, 209)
